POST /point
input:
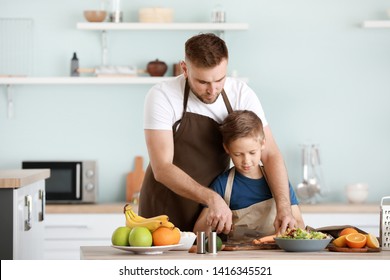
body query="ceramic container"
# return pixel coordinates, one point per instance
(356, 193)
(95, 15)
(157, 68)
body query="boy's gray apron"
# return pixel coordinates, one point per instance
(253, 221)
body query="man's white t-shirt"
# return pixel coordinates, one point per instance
(164, 103)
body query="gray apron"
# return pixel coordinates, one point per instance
(253, 221)
(198, 151)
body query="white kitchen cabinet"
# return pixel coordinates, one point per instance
(65, 233)
(22, 214)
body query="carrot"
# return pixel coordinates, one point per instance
(265, 239)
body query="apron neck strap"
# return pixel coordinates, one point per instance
(229, 186)
(187, 94)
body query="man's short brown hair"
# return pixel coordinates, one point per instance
(206, 50)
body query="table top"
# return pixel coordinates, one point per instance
(16, 178)
(110, 253)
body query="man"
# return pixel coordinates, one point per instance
(181, 122)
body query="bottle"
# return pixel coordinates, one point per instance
(116, 15)
(74, 66)
(218, 14)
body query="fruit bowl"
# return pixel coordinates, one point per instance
(302, 245)
(95, 15)
(187, 239)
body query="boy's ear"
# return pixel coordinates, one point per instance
(262, 144)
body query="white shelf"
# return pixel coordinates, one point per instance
(376, 24)
(161, 26)
(85, 80)
(81, 80)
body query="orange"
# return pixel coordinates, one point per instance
(347, 230)
(166, 236)
(372, 241)
(340, 241)
(356, 240)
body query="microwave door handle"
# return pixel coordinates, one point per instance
(78, 179)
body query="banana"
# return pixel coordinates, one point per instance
(134, 220)
(168, 224)
(151, 225)
(135, 217)
(128, 208)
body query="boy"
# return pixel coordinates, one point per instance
(244, 187)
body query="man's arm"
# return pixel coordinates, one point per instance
(161, 148)
(278, 182)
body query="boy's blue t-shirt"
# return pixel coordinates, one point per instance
(246, 191)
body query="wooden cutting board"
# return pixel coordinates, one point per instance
(248, 246)
(353, 250)
(242, 247)
(134, 179)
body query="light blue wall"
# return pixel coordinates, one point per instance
(320, 76)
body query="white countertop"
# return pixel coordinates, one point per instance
(110, 253)
(117, 207)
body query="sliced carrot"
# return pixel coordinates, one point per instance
(265, 239)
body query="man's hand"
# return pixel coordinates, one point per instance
(219, 215)
(284, 220)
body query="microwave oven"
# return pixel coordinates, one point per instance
(70, 181)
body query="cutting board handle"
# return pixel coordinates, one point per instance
(138, 163)
(134, 180)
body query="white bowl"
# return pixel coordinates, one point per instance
(187, 239)
(357, 193)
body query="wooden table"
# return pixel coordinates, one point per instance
(110, 253)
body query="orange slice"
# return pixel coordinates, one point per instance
(340, 241)
(347, 230)
(356, 240)
(372, 241)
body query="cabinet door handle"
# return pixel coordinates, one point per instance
(42, 197)
(28, 204)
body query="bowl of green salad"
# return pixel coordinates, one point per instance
(300, 240)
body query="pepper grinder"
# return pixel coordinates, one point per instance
(218, 14)
(116, 14)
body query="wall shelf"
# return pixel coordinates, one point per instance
(8, 81)
(161, 26)
(81, 80)
(103, 27)
(376, 24)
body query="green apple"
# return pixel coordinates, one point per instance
(140, 237)
(120, 237)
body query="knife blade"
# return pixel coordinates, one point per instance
(241, 234)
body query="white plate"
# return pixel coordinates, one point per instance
(153, 250)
